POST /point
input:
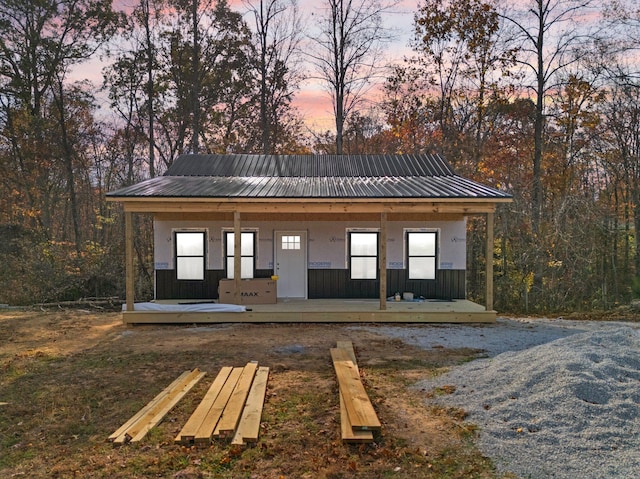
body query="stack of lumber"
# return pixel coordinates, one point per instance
(231, 408)
(358, 419)
(151, 415)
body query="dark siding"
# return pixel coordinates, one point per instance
(335, 283)
(323, 283)
(168, 287)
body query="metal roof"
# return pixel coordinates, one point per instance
(309, 177)
(310, 165)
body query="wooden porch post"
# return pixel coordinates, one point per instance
(383, 260)
(130, 287)
(489, 262)
(237, 256)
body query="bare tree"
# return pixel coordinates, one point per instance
(277, 37)
(145, 13)
(552, 35)
(39, 43)
(347, 52)
(622, 114)
(131, 80)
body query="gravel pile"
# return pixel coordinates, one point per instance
(569, 408)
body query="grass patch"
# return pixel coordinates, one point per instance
(62, 406)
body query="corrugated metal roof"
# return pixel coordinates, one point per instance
(323, 176)
(310, 165)
(309, 187)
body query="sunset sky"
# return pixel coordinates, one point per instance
(312, 100)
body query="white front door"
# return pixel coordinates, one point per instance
(291, 263)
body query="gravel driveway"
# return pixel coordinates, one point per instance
(553, 398)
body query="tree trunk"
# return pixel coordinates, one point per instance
(195, 87)
(150, 88)
(67, 154)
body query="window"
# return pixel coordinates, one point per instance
(291, 242)
(247, 254)
(363, 255)
(421, 252)
(190, 257)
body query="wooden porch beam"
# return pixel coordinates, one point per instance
(237, 256)
(383, 261)
(489, 262)
(228, 217)
(129, 266)
(391, 206)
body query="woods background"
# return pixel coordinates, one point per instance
(539, 98)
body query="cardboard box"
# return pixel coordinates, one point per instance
(252, 291)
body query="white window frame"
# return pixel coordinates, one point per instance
(203, 256)
(408, 254)
(291, 241)
(350, 256)
(225, 257)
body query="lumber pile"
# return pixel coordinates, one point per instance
(231, 408)
(358, 419)
(149, 416)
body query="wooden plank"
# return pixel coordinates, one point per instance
(207, 428)
(361, 413)
(231, 415)
(155, 414)
(249, 427)
(144, 410)
(346, 429)
(169, 403)
(348, 347)
(188, 433)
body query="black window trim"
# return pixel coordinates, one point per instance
(203, 232)
(226, 251)
(408, 255)
(377, 255)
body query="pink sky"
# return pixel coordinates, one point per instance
(312, 101)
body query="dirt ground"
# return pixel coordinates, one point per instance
(69, 378)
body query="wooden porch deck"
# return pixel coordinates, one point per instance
(330, 311)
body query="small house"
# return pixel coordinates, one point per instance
(314, 237)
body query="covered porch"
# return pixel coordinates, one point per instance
(326, 202)
(338, 310)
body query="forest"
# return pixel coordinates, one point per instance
(538, 98)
